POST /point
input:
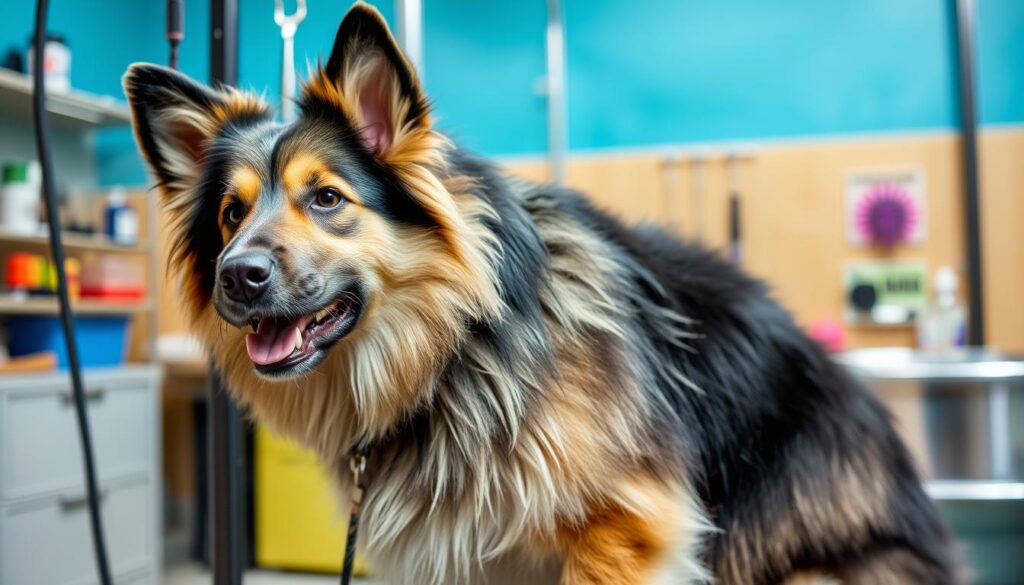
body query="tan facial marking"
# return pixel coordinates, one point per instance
(305, 170)
(245, 185)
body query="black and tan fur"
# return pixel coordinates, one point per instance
(549, 393)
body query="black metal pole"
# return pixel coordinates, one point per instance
(226, 469)
(224, 41)
(969, 135)
(226, 456)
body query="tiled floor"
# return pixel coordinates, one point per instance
(196, 575)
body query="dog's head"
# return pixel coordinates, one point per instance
(342, 237)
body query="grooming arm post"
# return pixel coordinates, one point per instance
(289, 24)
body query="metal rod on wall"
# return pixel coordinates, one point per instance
(558, 124)
(965, 13)
(409, 17)
(226, 464)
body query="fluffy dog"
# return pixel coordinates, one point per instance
(544, 390)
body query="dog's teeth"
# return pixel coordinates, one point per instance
(326, 311)
(298, 338)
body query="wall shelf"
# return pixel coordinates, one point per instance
(72, 241)
(71, 109)
(11, 305)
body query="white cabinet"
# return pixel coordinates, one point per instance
(44, 520)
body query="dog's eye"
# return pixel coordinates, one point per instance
(328, 198)
(233, 214)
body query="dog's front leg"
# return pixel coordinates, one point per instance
(652, 541)
(613, 547)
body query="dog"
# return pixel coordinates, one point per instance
(546, 394)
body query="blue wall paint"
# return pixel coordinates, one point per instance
(119, 161)
(483, 62)
(1000, 60)
(664, 71)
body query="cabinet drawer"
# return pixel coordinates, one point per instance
(47, 542)
(41, 449)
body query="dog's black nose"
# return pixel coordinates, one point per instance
(246, 276)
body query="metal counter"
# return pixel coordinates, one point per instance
(960, 413)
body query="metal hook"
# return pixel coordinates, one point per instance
(733, 162)
(289, 22)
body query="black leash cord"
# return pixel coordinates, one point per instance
(357, 465)
(67, 324)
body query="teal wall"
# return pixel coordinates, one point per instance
(640, 73)
(663, 71)
(1000, 72)
(483, 64)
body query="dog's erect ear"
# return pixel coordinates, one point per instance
(370, 80)
(175, 118)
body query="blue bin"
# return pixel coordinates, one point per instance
(101, 340)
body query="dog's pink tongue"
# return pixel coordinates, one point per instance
(273, 341)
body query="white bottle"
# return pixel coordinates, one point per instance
(941, 327)
(20, 207)
(122, 220)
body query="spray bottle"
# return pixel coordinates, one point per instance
(942, 325)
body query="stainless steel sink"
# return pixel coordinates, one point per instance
(960, 413)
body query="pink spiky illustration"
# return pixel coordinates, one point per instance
(886, 215)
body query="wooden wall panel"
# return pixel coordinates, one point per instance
(795, 234)
(631, 186)
(1001, 154)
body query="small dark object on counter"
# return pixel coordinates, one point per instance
(13, 60)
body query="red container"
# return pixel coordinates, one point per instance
(25, 271)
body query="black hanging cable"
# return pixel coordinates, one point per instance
(175, 29)
(57, 250)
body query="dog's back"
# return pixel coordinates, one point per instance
(798, 467)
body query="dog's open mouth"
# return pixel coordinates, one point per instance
(281, 345)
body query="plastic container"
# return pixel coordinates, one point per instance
(56, 62)
(25, 272)
(113, 277)
(20, 209)
(942, 324)
(121, 219)
(101, 340)
(73, 270)
(32, 273)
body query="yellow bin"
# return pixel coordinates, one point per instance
(298, 522)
